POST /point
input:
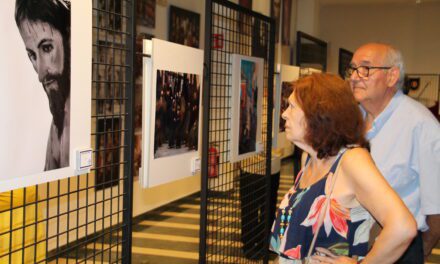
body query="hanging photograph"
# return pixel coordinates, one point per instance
(286, 90)
(177, 113)
(108, 146)
(45, 78)
(172, 93)
(146, 13)
(247, 96)
(184, 27)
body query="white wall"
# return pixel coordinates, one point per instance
(412, 28)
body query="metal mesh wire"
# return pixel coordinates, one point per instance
(237, 199)
(84, 218)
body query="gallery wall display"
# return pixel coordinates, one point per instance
(45, 103)
(344, 61)
(283, 88)
(184, 27)
(146, 13)
(247, 96)
(172, 92)
(311, 52)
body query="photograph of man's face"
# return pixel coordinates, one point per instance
(44, 27)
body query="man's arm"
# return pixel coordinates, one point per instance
(431, 237)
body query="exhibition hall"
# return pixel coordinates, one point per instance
(179, 131)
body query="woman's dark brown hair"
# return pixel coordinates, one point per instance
(332, 115)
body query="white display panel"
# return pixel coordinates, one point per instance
(247, 97)
(168, 150)
(24, 104)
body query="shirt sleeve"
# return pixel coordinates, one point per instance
(429, 166)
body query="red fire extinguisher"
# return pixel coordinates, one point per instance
(213, 161)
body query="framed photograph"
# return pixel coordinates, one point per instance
(247, 95)
(108, 147)
(311, 52)
(283, 88)
(344, 61)
(260, 39)
(46, 116)
(176, 121)
(184, 27)
(146, 13)
(172, 95)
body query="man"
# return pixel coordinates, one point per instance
(44, 26)
(404, 137)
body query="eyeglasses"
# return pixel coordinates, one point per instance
(362, 71)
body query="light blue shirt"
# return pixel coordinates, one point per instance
(405, 145)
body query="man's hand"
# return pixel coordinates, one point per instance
(326, 256)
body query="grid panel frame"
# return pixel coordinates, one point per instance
(241, 191)
(87, 217)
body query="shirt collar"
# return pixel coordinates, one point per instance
(383, 117)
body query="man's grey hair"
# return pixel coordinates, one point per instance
(394, 58)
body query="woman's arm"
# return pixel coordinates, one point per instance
(376, 195)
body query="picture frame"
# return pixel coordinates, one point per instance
(311, 52)
(284, 25)
(344, 61)
(247, 96)
(169, 61)
(26, 109)
(184, 27)
(146, 13)
(108, 147)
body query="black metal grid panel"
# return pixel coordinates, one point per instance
(88, 217)
(235, 204)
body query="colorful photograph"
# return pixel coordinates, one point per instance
(248, 107)
(177, 113)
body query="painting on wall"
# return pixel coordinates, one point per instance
(108, 146)
(46, 122)
(146, 13)
(177, 113)
(247, 96)
(184, 27)
(172, 92)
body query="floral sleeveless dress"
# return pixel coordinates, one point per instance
(344, 231)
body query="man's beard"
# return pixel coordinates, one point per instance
(57, 99)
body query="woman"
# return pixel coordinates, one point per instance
(327, 212)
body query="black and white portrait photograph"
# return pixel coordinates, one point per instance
(36, 82)
(177, 113)
(184, 27)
